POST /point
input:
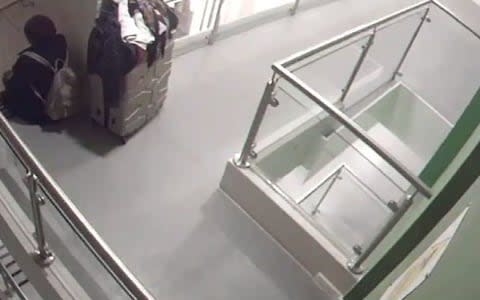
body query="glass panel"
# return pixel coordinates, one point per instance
(195, 16)
(12, 173)
(62, 239)
(403, 122)
(339, 183)
(383, 57)
(347, 210)
(406, 126)
(328, 72)
(77, 257)
(292, 110)
(353, 203)
(234, 10)
(443, 65)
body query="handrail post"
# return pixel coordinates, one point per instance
(293, 10)
(410, 44)
(336, 177)
(348, 35)
(216, 25)
(358, 66)
(43, 255)
(267, 99)
(355, 265)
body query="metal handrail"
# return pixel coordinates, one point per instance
(294, 8)
(74, 217)
(9, 4)
(297, 57)
(455, 17)
(364, 28)
(353, 127)
(280, 68)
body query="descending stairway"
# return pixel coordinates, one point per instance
(9, 264)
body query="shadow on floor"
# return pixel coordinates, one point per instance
(85, 132)
(261, 249)
(226, 237)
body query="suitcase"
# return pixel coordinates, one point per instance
(144, 93)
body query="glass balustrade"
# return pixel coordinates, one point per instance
(344, 129)
(62, 233)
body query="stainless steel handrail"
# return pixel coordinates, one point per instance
(353, 127)
(281, 69)
(79, 223)
(350, 34)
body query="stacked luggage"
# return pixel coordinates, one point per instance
(129, 68)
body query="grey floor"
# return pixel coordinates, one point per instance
(155, 200)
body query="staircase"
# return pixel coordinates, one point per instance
(13, 271)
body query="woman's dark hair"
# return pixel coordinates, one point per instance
(39, 28)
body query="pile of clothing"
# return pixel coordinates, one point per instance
(128, 33)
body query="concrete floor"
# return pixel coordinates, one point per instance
(155, 200)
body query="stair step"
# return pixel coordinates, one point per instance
(9, 264)
(23, 282)
(16, 273)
